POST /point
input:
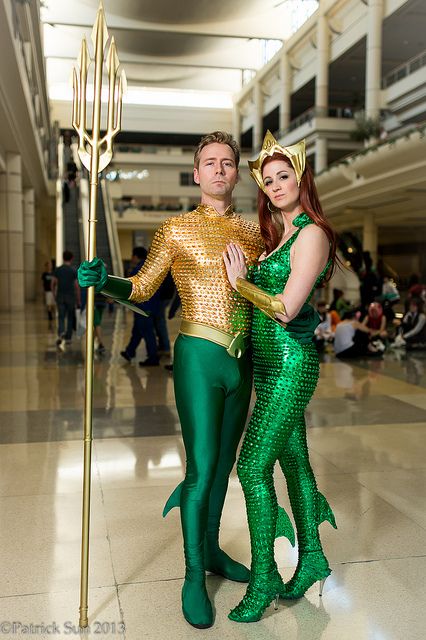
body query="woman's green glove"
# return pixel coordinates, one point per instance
(92, 274)
(302, 327)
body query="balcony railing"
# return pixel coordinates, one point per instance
(404, 70)
(315, 112)
(20, 33)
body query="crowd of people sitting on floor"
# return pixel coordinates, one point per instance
(373, 326)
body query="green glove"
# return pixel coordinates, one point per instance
(94, 274)
(302, 327)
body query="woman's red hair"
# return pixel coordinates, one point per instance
(310, 204)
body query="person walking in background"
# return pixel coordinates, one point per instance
(49, 300)
(66, 292)
(370, 286)
(166, 292)
(143, 326)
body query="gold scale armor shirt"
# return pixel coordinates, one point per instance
(191, 245)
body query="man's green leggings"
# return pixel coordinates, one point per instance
(212, 392)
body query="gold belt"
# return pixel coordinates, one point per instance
(235, 345)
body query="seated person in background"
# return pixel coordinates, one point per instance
(412, 332)
(335, 319)
(323, 332)
(339, 303)
(352, 338)
(375, 320)
(416, 289)
(389, 297)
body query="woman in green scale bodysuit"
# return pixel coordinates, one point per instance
(299, 256)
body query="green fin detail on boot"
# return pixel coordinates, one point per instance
(174, 500)
(325, 512)
(285, 527)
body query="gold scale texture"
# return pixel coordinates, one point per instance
(191, 245)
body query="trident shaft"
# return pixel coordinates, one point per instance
(95, 153)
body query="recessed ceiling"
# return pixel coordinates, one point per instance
(183, 12)
(187, 44)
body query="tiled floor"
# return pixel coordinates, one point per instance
(367, 435)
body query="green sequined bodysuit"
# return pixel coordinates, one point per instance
(285, 376)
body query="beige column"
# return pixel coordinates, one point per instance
(323, 52)
(236, 123)
(321, 154)
(29, 245)
(258, 116)
(370, 236)
(285, 104)
(11, 235)
(373, 75)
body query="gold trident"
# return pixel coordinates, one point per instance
(95, 154)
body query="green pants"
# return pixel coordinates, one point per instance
(212, 392)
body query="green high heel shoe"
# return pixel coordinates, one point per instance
(262, 590)
(312, 567)
(196, 606)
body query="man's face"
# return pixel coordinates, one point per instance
(217, 173)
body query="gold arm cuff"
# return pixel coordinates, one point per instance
(270, 305)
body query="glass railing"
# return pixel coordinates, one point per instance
(404, 70)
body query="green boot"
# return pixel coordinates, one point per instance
(196, 606)
(312, 567)
(218, 562)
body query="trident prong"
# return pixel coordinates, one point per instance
(86, 147)
(95, 160)
(115, 99)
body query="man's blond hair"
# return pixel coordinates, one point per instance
(222, 137)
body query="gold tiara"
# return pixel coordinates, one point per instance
(296, 153)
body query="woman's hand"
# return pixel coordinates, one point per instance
(280, 316)
(235, 263)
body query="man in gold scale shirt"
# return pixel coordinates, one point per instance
(212, 369)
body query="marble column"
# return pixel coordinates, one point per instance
(321, 154)
(29, 245)
(11, 235)
(285, 104)
(321, 80)
(236, 123)
(258, 116)
(373, 75)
